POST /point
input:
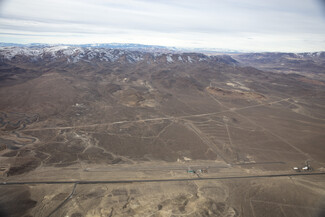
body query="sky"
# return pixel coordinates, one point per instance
(244, 25)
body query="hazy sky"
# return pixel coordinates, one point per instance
(251, 25)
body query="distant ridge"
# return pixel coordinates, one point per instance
(128, 46)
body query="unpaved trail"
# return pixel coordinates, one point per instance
(155, 119)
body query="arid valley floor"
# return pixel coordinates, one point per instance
(104, 132)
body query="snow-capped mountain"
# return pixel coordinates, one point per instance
(72, 54)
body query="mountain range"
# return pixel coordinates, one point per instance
(140, 131)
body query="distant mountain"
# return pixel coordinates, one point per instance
(74, 54)
(276, 57)
(310, 64)
(129, 46)
(138, 47)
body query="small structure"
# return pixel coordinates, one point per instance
(296, 169)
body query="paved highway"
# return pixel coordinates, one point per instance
(83, 182)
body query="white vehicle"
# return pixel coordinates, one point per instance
(306, 168)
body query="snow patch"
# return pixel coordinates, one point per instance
(169, 59)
